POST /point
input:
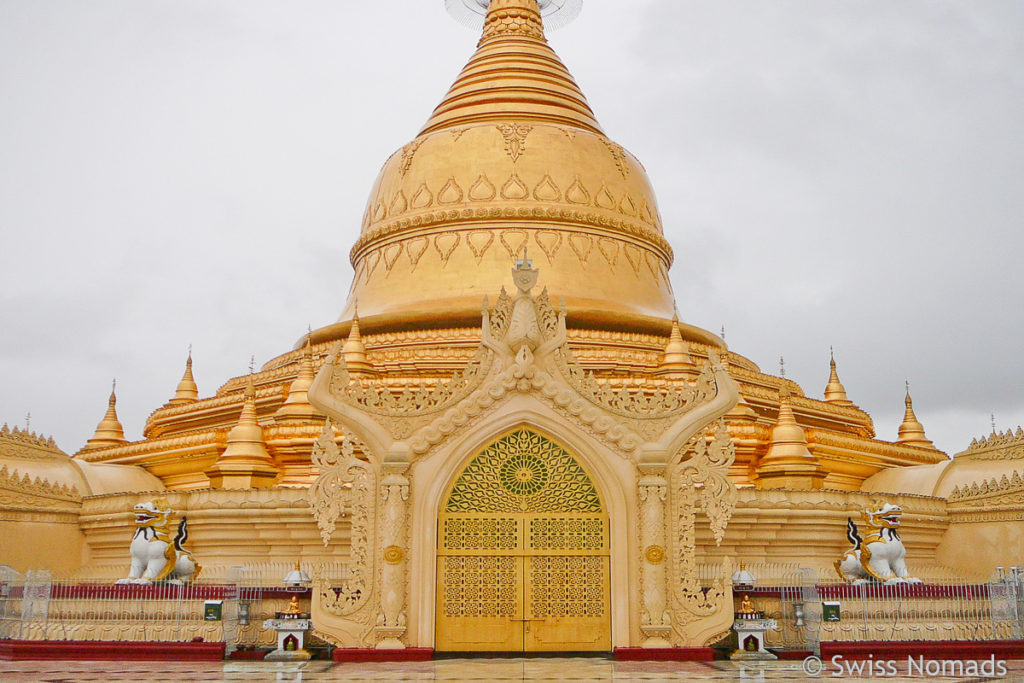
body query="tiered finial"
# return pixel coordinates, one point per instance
(109, 431)
(514, 74)
(835, 392)
(911, 432)
(354, 352)
(245, 463)
(187, 391)
(788, 462)
(297, 405)
(676, 358)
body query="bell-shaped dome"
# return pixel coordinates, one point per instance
(511, 160)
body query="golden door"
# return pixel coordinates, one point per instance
(522, 553)
(523, 582)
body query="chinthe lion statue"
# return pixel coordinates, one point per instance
(880, 555)
(155, 555)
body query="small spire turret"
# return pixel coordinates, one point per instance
(245, 463)
(354, 352)
(187, 391)
(911, 432)
(676, 358)
(835, 392)
(788, 462)
(109, 431)
(297, 405)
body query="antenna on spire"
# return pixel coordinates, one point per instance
(189, 350)
(723, 332)
(252, 364)
(782, 367)
(113, 386)
(831, 353)
(28, 421)
(906, 382)
(993, 423)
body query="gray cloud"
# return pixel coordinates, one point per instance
(194, 171)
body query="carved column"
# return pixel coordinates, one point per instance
(391, 622)
(654, 621)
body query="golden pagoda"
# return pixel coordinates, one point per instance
(510, 360)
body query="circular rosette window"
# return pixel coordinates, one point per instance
(523, 471)
(524, 474)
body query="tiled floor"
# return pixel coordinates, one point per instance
(487, 670)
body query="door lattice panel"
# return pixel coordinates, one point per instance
(480, 533)
(568, 586)
(567, 533)
(480, 586)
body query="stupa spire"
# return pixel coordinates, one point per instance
(187, 391)
(245, 463)
(297, 405)
(109, 431)
(912, 431)
(514, 74)
(354, 351)
(788, 462)
(835, 392)
(676, 358)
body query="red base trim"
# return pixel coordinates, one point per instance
(409, 654)
(929, 649)
(248, 654)
(14, 650)
(673, 654)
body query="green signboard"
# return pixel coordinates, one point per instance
(212, 610)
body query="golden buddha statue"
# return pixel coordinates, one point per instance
(293, 606)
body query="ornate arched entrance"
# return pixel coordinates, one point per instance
(522, 552)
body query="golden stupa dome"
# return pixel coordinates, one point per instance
(511, 160)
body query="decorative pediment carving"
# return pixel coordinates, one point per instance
(523, 350)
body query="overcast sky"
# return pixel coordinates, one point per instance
(178, 172)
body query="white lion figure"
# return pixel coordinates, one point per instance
(879, 556)
(155, 557)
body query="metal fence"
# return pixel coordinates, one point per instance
(227, 605)
(812, 605)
